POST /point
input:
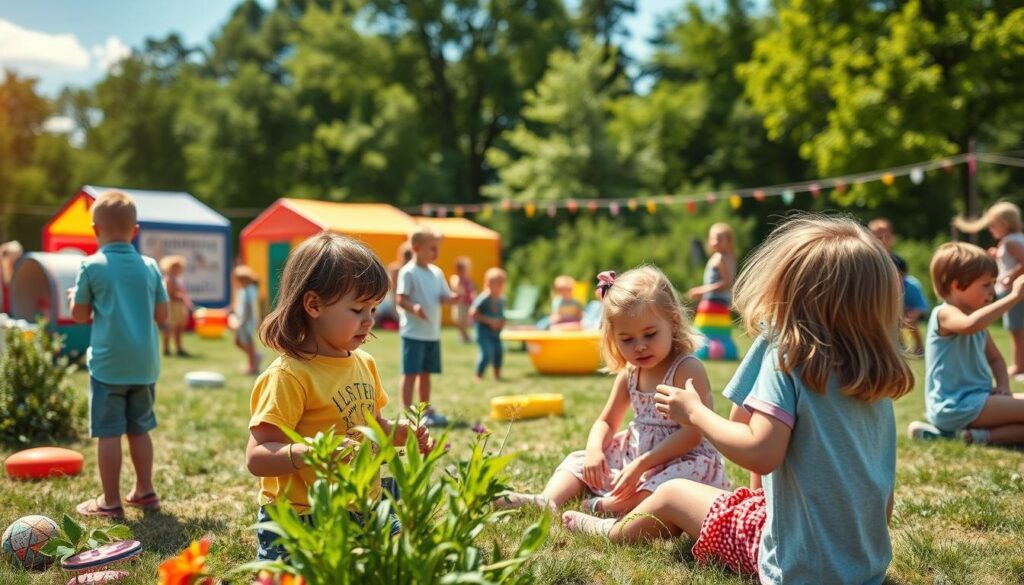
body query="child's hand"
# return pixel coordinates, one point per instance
(497, 324)
(1001, 390)
(423, 440)
(417, 310)
(1018, 287)
(694, 293)
(626, 481)
(595, 470)
(678, 404)
(346, 450)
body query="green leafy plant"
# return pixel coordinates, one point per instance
(74, 538)
(443, 511)
(36, 395)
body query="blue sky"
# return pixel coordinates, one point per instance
(73, 42)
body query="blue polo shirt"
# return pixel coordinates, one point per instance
(123, 288)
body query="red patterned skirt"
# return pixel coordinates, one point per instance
(731, 532)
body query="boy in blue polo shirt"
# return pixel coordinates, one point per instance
(123, 292)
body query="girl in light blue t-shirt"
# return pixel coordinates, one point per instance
(821, 429)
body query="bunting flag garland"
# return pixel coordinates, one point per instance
(787, 193)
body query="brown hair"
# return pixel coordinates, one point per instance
(1001, 211)
(168, 262)
(114, 212)
(494, 273)
(637, 290)
(422, 233)
(961, 264)
(244, 274)
(830, 298)
(331, 266)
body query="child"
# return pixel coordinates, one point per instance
(462, 284)
(173, 267)
(123, 293)
(647, 340)
(914, 303)
(566, 311)
(960, 357)
(713, 319)
(246, 315)
(821, 430)
(1003, 221)
(488, 310)
(330, 288)
(420, 292)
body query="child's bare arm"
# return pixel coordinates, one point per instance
(998, 367)
(406, 303)
(271, 453)
(1016, 251)
(160, 313)
(953, 320)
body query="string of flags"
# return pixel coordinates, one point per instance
(786, 193)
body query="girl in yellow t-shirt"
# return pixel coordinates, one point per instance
(329, 292)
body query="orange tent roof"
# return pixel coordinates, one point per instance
(459, 227)
(353, 217)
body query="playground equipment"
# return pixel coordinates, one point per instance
(560, 352)
(39, 289)
(715, 323)
(522, 406)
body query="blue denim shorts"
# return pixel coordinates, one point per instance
(116, 409)
(1013, 320)
(420, 356)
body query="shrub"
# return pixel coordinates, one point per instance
(442, 513)
(36, 396)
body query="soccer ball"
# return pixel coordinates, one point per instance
(23, 539)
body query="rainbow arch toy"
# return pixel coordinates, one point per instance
(715, 323)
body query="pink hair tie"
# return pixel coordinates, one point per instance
(605, 280)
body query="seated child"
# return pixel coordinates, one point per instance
(647, 340)
(961, 359)
(566, 311)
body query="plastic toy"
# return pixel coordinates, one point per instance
(103, 556)
(25, 536)
(713, 320)
(560, 352)
(204, 380)
(43, 462)
(521, 406)
(211, 323)
(98, 577)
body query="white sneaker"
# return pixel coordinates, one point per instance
(922, 431)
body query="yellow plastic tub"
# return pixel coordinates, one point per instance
(520, 406)
(560, 352)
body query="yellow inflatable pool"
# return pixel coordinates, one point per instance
(560, 352)
(520, 406)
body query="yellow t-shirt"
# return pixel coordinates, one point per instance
(311, 396)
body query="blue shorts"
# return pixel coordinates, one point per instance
(419, 357)
(913, 295)
(1013, 320)
(956, 417)
(116, 409)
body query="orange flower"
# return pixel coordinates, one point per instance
(188, 567)
(287, 579)
(267, 578)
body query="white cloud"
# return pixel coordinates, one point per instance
(59, 125)
(36, 52)
(111, 52)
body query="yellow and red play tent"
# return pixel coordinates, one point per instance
(266, 242)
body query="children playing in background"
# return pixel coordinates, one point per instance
(961, 359)
(1003, 221)
(566, 310)
(123, 293)
(914, 303)
(419, 293)
(462, 283)
(822, 428)
(330, 288)
(173, 268)
(245, 312)
(713, 319)
(488, 310)
(646, 340)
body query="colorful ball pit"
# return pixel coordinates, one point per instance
(560, 352)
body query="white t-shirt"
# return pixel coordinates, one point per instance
(1005, 261)
(425, 286)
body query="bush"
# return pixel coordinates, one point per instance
(36, 396)
(442, 513)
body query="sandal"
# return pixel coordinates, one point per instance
(150, 502)
(92, 507)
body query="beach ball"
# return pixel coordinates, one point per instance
(23, 539)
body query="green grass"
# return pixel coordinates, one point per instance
(958, 516)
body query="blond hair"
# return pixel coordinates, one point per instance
(635, 291)
(960, 264)
(730, 236)
(114, 212)
(331, 266)
(168, 262)
(422, 233)
(1003, 211)
(245, 274)
(830, 298)
(564, 281)
(494, 273)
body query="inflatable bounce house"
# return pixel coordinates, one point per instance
(266, 242)
(169, 223)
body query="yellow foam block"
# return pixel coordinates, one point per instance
(520, 406)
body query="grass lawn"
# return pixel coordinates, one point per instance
(959, 516)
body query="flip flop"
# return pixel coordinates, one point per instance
(149, 501)
(92, 507)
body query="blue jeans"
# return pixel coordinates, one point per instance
(491, 351)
